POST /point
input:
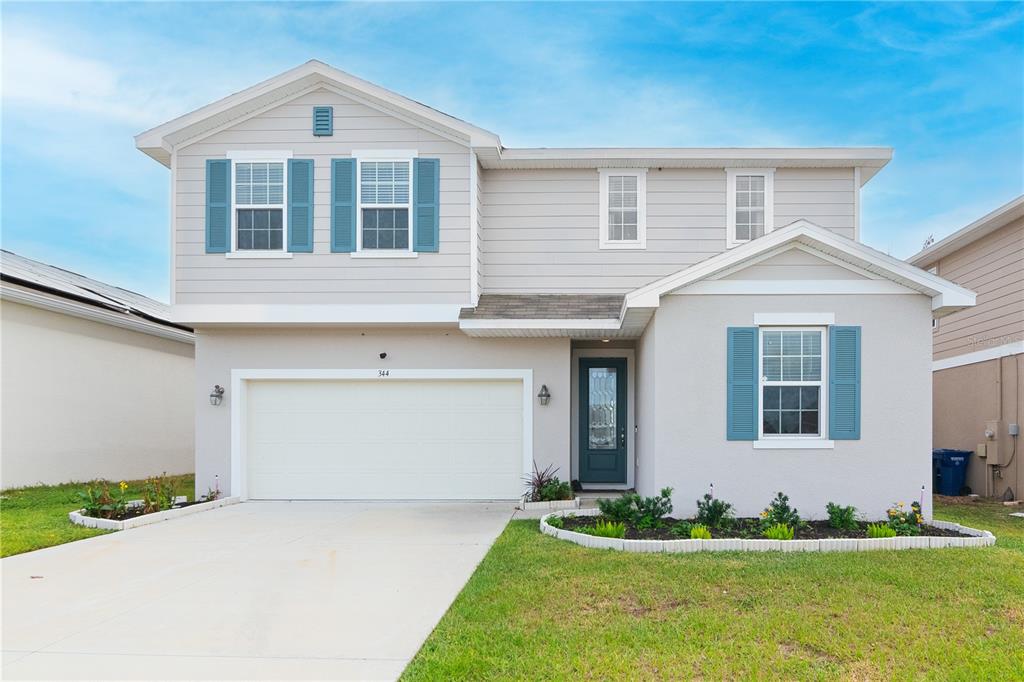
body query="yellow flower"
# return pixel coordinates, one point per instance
(123, 486)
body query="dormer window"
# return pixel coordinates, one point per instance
(749, 204)
(623, 221)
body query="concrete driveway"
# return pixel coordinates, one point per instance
(260, 590)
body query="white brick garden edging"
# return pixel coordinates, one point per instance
(981, 538)
(553, 505)
(146, 519)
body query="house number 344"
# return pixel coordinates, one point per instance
(383, 373)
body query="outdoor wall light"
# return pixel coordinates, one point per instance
(544, 395)
(217, 395)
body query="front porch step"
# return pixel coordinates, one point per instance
(588, 498)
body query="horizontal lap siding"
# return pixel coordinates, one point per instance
(992, 267)
(540, 227)
(322, 276)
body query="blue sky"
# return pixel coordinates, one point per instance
(941, 83)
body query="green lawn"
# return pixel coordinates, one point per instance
(539, 608)
(37, 517)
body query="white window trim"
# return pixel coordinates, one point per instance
(641, 209)
(781, 441)
(396, 155)
(730, 202)
(259, 156)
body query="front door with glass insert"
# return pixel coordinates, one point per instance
(602, 436)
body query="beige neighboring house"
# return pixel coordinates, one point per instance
(96, 381)
(399, 306)
(979, 352)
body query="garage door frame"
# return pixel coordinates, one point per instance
(240, 379)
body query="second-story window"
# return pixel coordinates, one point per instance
(384, 204)
(259, 206)
(623, 221)
(749, 205)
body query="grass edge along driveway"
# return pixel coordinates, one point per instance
(540, 608)
(37, 516)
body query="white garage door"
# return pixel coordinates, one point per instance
(381, 440)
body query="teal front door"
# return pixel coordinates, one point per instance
(602, 437)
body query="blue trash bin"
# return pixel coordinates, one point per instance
(949, 471)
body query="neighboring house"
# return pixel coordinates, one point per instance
(400, 307)
(96, 381)
(979, 353)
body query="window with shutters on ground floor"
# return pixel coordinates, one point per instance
(259, 202)
(792, 382)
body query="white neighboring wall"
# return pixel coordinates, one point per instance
(83, 400)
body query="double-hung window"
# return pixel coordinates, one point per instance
(259, 205)
(385, 208)
(623, 197)
(749, 204)
(792, 382)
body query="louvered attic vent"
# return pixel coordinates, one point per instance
(323, 121)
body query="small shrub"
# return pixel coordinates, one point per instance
(714, 513)
(778, 512)
(157, 494)
(544, 486)
(642, 512)
(606, 529)
(843, 518)
(905, 521)
(880, 530)
(700, 532)
(556, 522)
(778, 531)
(211, 495)
(98, 502)
(682, 529)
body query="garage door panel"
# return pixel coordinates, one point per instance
(384, 439)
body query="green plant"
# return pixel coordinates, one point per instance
(778, 531)
(211, 495)
(714, 513)
(700, 532)
(544, 486)
(682, 529)
(96, 502)
(905, 521)
(606, 529)
(157, 493)
(642, 512)
(843, 518)
(556, 522)
(880, 530)
(778, 512)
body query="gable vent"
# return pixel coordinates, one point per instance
(323, 121)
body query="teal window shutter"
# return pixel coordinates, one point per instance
(426, 181)
(300, 205)
(218, 205)
(844, 383)
(323, 121)
(742, 383)
(343, 205)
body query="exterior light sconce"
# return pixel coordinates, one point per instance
(544, 395)
(217, 395)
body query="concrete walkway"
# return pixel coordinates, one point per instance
(260, 590)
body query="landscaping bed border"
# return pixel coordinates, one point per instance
(77, 517)
(979, 538)
(553, 505)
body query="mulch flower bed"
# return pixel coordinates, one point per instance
(134, 512)
(746, 528)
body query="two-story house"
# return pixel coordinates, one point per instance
(979, 353)
(397, 306)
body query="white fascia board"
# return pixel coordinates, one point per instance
(57, 304)
(313, 72)
(1005, 350)
(987, 224)
(943, 292)
(364, 314)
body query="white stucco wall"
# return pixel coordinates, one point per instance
(218, 351)
(889, 463)
(83, 400)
